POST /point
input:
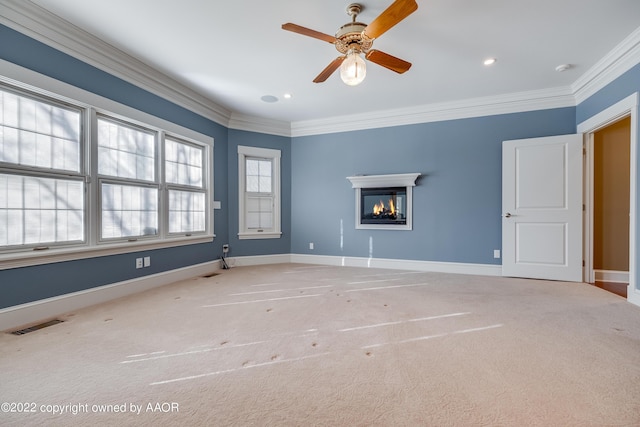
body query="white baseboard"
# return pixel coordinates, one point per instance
(633, 295)
(258, 260)
(36, 311)
(401, 264)
(611, 276)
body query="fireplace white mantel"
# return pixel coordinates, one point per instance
(406, 180)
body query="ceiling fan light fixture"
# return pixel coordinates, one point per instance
(355, 38)
(353, 69)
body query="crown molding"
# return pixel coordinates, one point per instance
(615, 63)
(259, 124)
(36, 22)
(473, 107)
(39, 24)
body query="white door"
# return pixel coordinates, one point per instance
(542, 208)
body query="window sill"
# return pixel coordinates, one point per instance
(26, 259)
(263, 235)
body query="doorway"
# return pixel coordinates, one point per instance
(606, 261)
(610, 188)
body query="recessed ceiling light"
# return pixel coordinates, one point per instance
(269, 98)
(563, 67)
(288, 96)
(489, 61)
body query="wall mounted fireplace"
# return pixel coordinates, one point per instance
(384, 201)
(386, 205)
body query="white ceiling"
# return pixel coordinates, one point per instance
(235, 52)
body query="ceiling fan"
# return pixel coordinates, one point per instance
(355, 38)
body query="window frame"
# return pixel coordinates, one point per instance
(206, 177)
(31, 171)
(46, 245)
(273, 155)
(106, 179)
(28, 83)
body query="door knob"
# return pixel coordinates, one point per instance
(507, 215)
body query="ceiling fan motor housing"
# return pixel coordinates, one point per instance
(350, 36)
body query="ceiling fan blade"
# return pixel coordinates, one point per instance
(308, 32)
(388, 61)
(324, 75)
(395, 13)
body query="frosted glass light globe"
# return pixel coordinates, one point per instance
(353, 69)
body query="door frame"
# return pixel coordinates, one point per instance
(626, 107)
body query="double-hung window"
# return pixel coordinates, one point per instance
(79, 180)
(184, 175)
(129, 188)
(259, 198)
(42, 182)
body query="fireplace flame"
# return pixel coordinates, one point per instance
(380, 209)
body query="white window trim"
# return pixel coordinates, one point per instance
(206, 177)
(274, 156)
(32, 81)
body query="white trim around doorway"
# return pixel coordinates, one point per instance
(626, 107)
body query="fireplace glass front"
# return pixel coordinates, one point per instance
(386, 205)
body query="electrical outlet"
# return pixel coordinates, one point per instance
(147, 261)
(311, 245)
(496, 253)
(225, 249)
(138, 262)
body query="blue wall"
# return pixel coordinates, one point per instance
(27, 284)
(456, 203)
(625, 85)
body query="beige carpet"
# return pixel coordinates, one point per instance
(302, 345)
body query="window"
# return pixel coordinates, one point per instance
(259, 198)
(76, 177)
(184, 169)
(129, 189)
(42, 187)
(259, 194)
